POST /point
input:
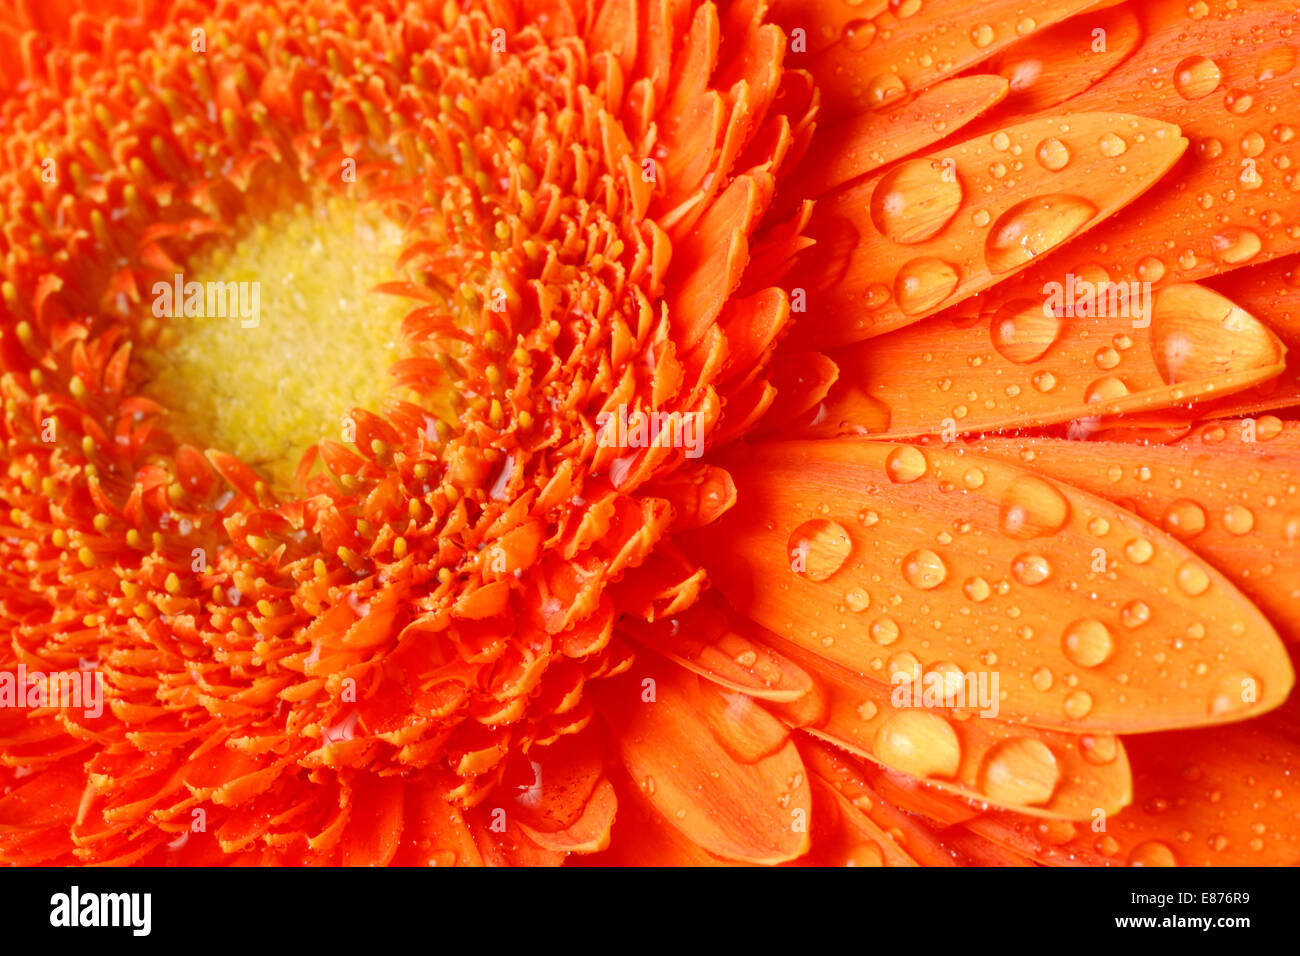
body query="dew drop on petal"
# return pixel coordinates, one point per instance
(1020, 772)
(1031, 569)
(923, 283)
(1022, 332)
(1184, 519)
(905, 464)
(1032, 227)
(1078, 704)
(819, 548)
(915, 200)
(1033, 508)
(1197, 76)
(1235, 691)
(1152, 853)
(1192, 579)
(1052, 154)
(920, 743)
(924, 569)
(1088, 642)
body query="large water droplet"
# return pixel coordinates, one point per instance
(1105, 389)
(1023, 331)
(1033, 508)
(915, 200)
(924, 569)
(1032, 227)
(905, 464)
(1020, 772)
(1088, 642)
(922, 284)
(1238, 519)
(1196, 77)
(1192, 579)
(884, 631)
(1078, 704)
(1235, 245)
(920, 743)
(819, 548)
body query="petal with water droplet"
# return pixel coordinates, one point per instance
(1168, 673)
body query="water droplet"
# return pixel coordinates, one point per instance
(1151, 269)
(1107, 389)
(1032, 227)
(1088, 642)
(1033, 508)
(1043, 380)
(905, 463)
(1112, 145)
(858, 34)
(915, 200)
(1192, 579)
(922, 284)
(1042, 679)
(1139, 550)
(867, 710)
(857, 599)
(1099, 748)
(1184, 518)
(974, 478)
(884, 89)
(1135, 613)
(920, 743)
(1278, 61)
(1023, 331)
(1078, 704)
(1153, 852)
(819, 548)
(1238, 519)
(1196, 77)
(884, 631)
(924, 569)
(982, 35)
(1020, 772)
(903, 667)
(1238, 102)
(977, 589)
(1235, 245)
(1031, 569)
(1106, 358)
(1052, 154)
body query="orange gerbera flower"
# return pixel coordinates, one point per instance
(822, 432)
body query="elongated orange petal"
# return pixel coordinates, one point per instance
(744, 806)
(961, 749)
(1227, 490)
(1234, 200)
(1022, 367)
(875, 63)
(990, 568)
(869, 141)
(936, 229)
(1225, 797)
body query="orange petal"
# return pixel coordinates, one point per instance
(866, 142)
(1227, 490)
(959, 749)
(1022, 367)
(987, 567)
(749, 811)
(875, 62)
(1223, 797)
(936, 229)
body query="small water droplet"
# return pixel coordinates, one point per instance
(1153, 852)
(1020, 772)
(1112, 145)
(1052, 154)
(1078, 704)
(982, 35)
(920, 743)
(1192, 579)
(857, 599)
(884, 631)
(905, 464)
(1184, 518)
(915, 201)
(977, 589)
(1135, 613)
(1022, 331)
(1033, 508)
(1031, 569)
(924, 283)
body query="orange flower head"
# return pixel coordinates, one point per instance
(518, 431)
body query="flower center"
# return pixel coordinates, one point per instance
(270, 340)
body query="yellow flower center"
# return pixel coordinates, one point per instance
(275, 336)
